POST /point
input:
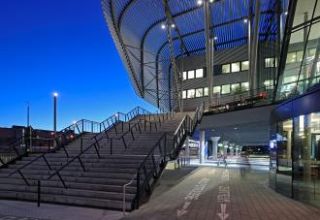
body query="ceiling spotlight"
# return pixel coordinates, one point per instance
(163, 26)
(211, 1)
(173, 25)
(286, 13)
(215, 38)
(199, 2)
(245, 20)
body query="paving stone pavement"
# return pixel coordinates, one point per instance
(220, 194)
(11, 210)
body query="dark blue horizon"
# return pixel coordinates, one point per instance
(65, 47)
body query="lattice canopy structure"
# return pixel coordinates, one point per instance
(140, 31)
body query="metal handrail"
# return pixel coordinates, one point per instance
(124, 194)
(95, 145)
(12, 146)
(187, 125)
(142, 166)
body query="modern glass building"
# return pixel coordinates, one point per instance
(295, 164)
(233, 55)
(182, 53)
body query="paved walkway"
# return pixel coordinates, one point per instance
(190, 194)
(218, 193)
(18, 210)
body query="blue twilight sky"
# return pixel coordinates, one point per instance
(63, 46)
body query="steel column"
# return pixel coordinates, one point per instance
(209, 48)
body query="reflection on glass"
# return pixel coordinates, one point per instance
(301, 68)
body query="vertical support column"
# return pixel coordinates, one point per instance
(215, 141)
(209, 48)
(202, 145)
(187, 149)
(250, 44)
(253, 41)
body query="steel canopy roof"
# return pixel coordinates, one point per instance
(138, 28)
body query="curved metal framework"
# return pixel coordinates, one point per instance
(139, 30)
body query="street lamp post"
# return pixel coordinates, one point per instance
(55, 98)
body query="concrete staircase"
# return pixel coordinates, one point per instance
(97, 166)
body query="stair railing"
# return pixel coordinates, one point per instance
(63, 137)
(185, 128)
(115, 119)
(14, 151)
(150, 168)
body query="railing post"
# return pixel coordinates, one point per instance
(82, 121)
(111, 146)
(39, 193)
(81, 144)
(138, 188)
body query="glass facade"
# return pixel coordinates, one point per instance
(298, 157)
(301, 69)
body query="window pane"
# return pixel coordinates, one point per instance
(268, 84)
(199, 73)
(225, 89)
(245, 86)
(205, 91)
(299, 56)
(217, 89)
(235, 87)
(184, 75)
(291, 57)
(184, 94)
(235, 67)
(199, 92)
(191, 74)
(191, 93)
(269, 62)
(226, 68)
(312, 53)
(244, 65)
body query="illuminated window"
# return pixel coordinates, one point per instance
(291, 57)
(245, 86)
(199, 92)
(235, 87)
(225, 89)
(226, 68)
(191, 93)
(191, 74)
(205, 91)
(270, 62)
(235, 67)
(244, 65)
(299, 56)
(184, 76)
(199, 73)
(217, 89)
(184, 94)
(268, 84)
(312, 52)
